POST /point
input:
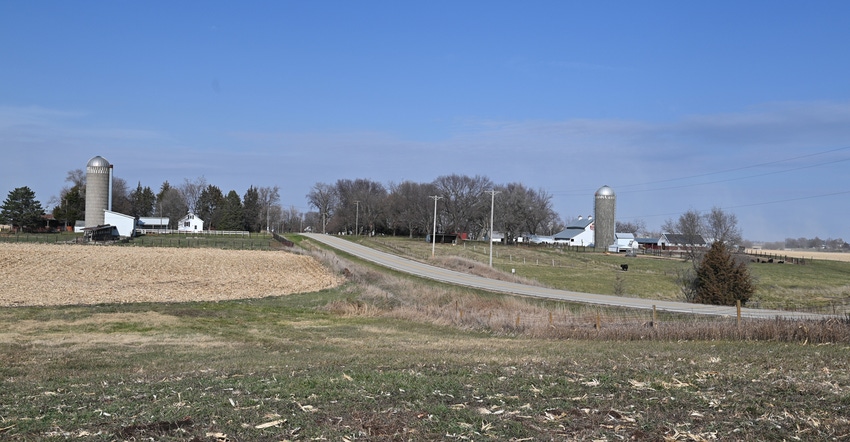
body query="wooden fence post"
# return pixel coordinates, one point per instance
(738, 308)
(654, 320)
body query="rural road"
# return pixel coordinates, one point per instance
(453, 277)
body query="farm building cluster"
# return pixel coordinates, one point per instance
(596, 232)
(102, 223)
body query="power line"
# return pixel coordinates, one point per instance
(735, 169)
(764, 203)
(738, 178)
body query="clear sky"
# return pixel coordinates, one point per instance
(675, 105)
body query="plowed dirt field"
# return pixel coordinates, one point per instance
(42, 274)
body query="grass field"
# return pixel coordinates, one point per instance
(282, 369)
(821, 285)
(386, 357)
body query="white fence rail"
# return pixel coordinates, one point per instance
(195, 232)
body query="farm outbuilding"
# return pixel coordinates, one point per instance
(674, 241)
(579, 233)
(625, 242)
(152, 224)
(101, 233)
(125, 224)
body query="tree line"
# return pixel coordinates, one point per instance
(829, 244)
(257, 209)
(463, 204)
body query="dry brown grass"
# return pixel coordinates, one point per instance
(380, 294)
(43, 274)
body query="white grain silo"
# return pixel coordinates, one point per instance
(98, 190)
(605, 224)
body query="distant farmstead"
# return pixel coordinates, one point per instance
(190, 223)
(579, 233)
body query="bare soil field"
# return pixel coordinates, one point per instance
(45, 274)
(826, 256)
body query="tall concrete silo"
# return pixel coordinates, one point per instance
(98, 190)
(605, 223)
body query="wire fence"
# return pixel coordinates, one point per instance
(241, 241)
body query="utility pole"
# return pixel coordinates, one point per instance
(492, 205)
(434, 232)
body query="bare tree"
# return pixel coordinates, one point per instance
(722, 227)
(191, 192)
(170, 204)
(76, 177)
(514, 207)
(324, 198)
(409, 207)
(360, 205)
(291, 219)
(268, 197)
(121, 196)
(77, 183)
(463, 197)
(690, 227)
(635, 227)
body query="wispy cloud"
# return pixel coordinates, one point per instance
(660, 168)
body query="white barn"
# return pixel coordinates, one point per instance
(579, 233)
(190, 223)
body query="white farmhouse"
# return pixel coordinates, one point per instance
(190, 223)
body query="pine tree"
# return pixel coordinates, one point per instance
(21, 209)
(720, 280)
(232, 215)
(72, 206)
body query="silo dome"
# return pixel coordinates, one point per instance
(605, 191)
(98, 161)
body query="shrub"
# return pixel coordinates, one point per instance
(719, 280)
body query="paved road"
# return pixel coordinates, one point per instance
(453, 277)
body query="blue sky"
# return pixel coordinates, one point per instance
(675, 105)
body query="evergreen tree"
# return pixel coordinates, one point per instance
(232, 213)
(142, 201)
(72, 206)
(719, 280)
(209, 206)
(22, 210)
(254, 221)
